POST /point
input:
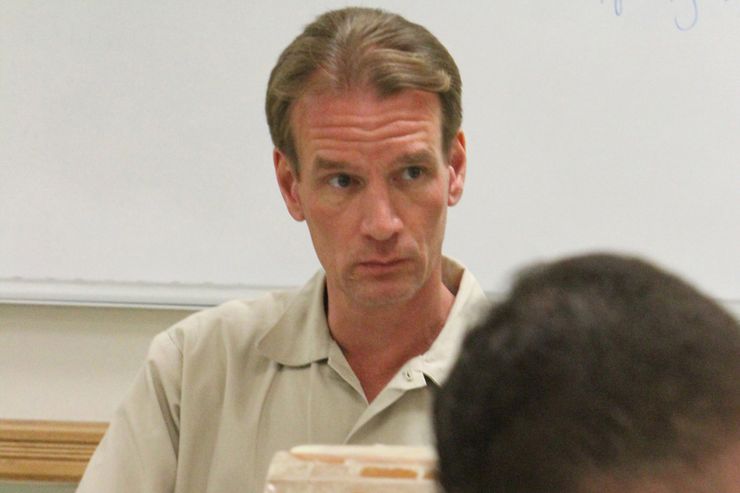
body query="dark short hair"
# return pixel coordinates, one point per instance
(357, 47)
(593, 365)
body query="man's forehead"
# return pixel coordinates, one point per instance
(325, 119)
(361, 101)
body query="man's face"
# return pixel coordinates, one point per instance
(374, 188)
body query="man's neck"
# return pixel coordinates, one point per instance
(378, 341)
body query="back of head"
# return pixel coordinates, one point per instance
(597, 373)
(361, 48)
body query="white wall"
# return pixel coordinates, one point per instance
(72, 363)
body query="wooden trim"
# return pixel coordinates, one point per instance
(47, 450)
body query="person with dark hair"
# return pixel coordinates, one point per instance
(597, 373)
(364, 111)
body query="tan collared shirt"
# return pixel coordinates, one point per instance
(226, 388)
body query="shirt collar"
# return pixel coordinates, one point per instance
(436, 363)
(301, 336)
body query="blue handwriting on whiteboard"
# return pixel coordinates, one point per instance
(683, 24)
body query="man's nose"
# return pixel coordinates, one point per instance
(380, 219)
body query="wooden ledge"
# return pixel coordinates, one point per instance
(47, 450)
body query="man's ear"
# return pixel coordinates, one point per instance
(457, 164)
(287, 179)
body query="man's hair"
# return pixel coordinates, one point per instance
(358, 48)
(596, 366)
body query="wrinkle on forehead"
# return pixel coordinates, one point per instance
(365, 109)
(393, 132)
(332, 121)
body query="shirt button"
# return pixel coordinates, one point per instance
(408, 375)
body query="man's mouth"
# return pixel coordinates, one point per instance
(380, 266)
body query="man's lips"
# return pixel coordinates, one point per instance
(381, 264)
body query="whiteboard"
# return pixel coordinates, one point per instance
(134, 148)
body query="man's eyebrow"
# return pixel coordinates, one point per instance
(410, 159)
(415, 158)
(321, 164)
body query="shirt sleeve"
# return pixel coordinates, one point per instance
(139, 449)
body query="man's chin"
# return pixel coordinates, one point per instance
(381, 294)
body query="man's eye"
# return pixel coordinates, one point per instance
(412, 173)
(340, 181)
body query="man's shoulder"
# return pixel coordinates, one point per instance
(235, 323)
(262, 310)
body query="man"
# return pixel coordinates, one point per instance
(364, 111)
(597, 374)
